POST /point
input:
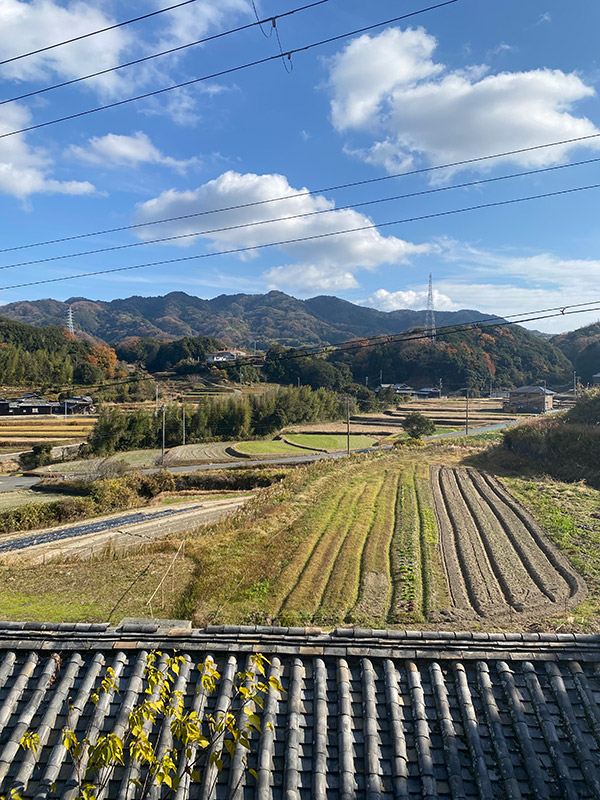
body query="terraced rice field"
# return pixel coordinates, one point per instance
(27, 431)
(497, 560)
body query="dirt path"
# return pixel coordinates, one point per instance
(498, 562)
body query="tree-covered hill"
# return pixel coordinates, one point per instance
(582, 347)
(32, 357)
(237, 320)
(508, 356)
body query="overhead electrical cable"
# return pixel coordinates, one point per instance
(96, 32)
(291, 217)
(171, 50)
(375, 341)
(313, 237)
(305, 193)
(221, 73)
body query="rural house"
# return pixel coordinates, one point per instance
(596, 379)
(222, 356)
(378, 714)
(76, 405)
(27, 404)
(529, 400)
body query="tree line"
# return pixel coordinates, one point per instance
(216, 419)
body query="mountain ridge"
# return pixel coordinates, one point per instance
(237, 319)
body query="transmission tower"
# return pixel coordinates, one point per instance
(430, 313)
(70, 324)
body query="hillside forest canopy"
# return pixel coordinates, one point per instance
(505, 356)
(51, 356)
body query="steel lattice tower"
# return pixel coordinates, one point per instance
(70, 323)
(430, 313)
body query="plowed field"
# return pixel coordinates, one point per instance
(498, 561)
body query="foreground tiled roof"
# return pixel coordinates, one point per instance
(366, 714)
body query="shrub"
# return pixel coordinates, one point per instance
(418, 425)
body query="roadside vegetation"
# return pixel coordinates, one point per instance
(81, 499)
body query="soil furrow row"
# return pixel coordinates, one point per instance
(450, 555)
(513, 578)
(534, 559)
(484, 589)
(560, 562)
(495, 551)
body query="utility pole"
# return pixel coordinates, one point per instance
(440, 387)
(467, 414)
(380, 377)
(162, 457)
(298, 381)
(184, 424)
(348, 426)
(367, 381)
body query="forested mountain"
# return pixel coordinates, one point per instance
(582, 347)
(32, 356)
(508, 356)
(237, 320)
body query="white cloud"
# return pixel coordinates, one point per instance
(365, 73)
(117, 150)
(545, 17)
(389, 86)
(193, 21)
(322, 262)
(392, 301)
(503, 283)
(26, 26)
(310, 278)
(25, 170)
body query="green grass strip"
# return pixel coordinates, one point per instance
(407, 597)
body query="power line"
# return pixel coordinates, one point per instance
(221, 73)
(95, 33)
(161, 53)
(307, 193)
(290, 217)
(314, 237)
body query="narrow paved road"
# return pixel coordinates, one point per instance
(137, 524)
(11, 483)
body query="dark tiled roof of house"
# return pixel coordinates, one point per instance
(532, 390)
(366, 714)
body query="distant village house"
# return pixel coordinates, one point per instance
(596, 379)
(529, 400)
(224, 356)
(33, 404)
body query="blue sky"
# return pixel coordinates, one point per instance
(471, 79)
